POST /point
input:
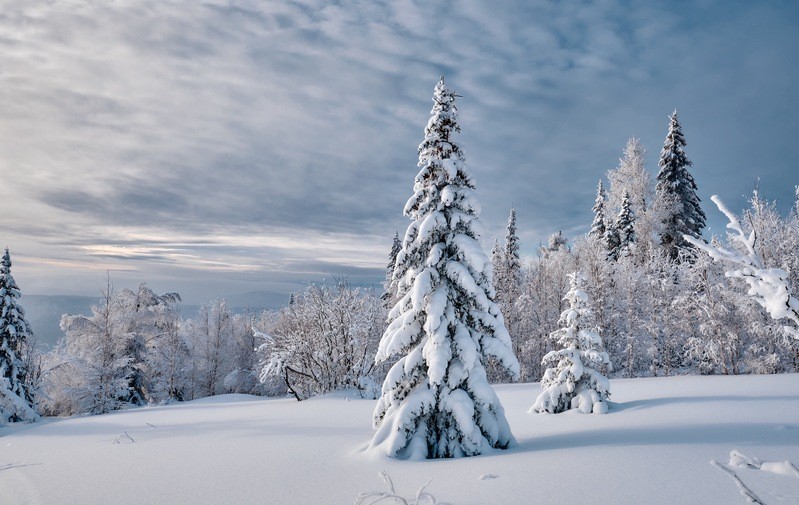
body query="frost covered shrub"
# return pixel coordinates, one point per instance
(573, 379)
(436, 401)
(323, 341)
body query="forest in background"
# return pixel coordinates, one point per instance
(660, 306)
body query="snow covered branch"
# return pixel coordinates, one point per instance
(767, 286)
(750, 495)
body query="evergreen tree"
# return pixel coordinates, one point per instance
(389, 285)
(598, 227)
(573, 379)
(507, 265)
(497, 259)
(507, 282)
(436, 401)
(625, 225)
(16, 400)
(512, 260)
(676, 188)
(612, 241)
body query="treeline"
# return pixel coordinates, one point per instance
(661, 306)
(658, 316)
(136, 349)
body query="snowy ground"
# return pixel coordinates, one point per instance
(653, 447)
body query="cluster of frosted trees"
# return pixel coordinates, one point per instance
(661, 305)
(135, 349)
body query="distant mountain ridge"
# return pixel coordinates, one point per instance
(44, 312)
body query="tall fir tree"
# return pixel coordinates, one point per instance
(389, 285)
(612, 241)
(16, 399)
(436, 401)
(676, 190)
(598, 227)
(508, 265)
(512, 258)
(508, 284)
(625, 225)
(574, 378)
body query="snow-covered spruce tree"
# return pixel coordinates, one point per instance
(676, 186)
(497, 259)
(16, 400)
(389, 285)
(598, 227)
(612, 241)
(573, 379)
(507, 284)
(436, 401)
(511, 272)
(625, 226)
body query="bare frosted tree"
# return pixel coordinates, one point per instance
(769, 287)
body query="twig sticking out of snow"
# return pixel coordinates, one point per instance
(487, 476)
(9, 466)
(373, 497)
(750, 496)
(124, 435)
(767, 286)
(152, 425)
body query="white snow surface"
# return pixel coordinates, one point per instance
(654, 446)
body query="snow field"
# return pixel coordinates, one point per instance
(653, 447)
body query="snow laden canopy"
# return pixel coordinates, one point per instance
(436, 401)
(16, 398)
(573, 379)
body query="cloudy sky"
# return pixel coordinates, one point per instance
(220, 147)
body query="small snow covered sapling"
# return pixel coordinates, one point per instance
(767, 286)
(573, 378)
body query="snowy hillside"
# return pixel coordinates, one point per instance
(653, 447)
